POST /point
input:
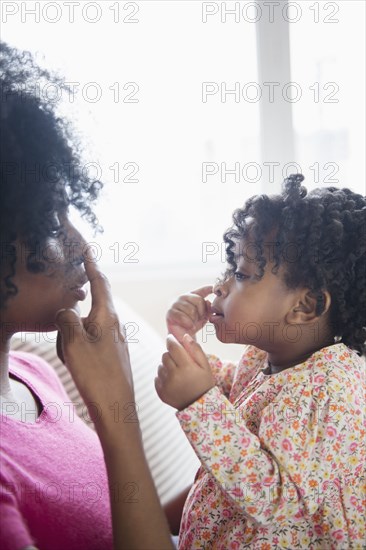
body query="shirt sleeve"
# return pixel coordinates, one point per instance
(14, 533)
(223, 372)
(279, 473)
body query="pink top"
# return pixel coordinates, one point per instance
(53, 482)
(283, 456)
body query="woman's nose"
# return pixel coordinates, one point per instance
(77, 236)
(79, 244)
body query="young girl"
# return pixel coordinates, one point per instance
(281, 436)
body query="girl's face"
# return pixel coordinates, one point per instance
(41, 295)
(251, 311)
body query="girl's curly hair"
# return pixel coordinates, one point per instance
(41, 168)
(320, 240)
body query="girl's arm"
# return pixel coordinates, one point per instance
(101, 370)
(291, 466)
(223, 372)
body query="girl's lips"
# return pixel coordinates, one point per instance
(215, 315)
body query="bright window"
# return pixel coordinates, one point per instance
(163, 133)
(169, 98)
(328, 61)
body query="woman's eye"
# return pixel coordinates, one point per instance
(240, 276)
(56, 225)
(56, 231)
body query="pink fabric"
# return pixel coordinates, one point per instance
(53, 482)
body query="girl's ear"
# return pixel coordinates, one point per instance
(309, 306)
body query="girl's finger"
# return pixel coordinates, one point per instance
(195, 351)
(192, 304)
(167, 361)
(162, 372)
(203, 291)
(198, 298)
(180, 318)
(177, 352)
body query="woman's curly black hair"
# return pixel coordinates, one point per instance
(320, 240)
(41, 162)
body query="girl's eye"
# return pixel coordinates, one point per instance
(240, 276)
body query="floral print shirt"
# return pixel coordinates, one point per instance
(283, 455)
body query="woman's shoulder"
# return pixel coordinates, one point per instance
(33, 369)
(30, 362)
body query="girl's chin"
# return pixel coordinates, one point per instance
(227, 335)
(221, 334)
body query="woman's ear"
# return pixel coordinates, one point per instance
(309, 306)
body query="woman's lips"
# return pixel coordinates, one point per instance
(79, 292)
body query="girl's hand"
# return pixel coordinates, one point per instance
(185, 373)
(189, 313)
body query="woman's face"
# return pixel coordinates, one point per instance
(41, 295)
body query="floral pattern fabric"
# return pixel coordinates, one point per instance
(283, 455)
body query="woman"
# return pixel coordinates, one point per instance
(49, 464)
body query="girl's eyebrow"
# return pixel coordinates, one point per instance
(244, 262)
(240, 255)
(237, 257)
(240, 258)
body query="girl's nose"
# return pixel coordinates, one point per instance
(220, 289)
